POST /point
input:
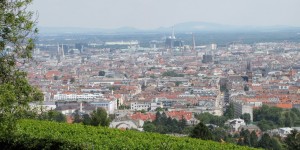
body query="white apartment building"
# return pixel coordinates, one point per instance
(140, 106)
(110, 106)
(72, 97)
(146, 106)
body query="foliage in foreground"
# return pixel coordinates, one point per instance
(32, 134)
(17, 36)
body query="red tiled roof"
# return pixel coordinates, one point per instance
(179, 114)
(281, 105)
(52, 73)
(144, 117)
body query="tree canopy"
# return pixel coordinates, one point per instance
(272, 117)
(229, 113)
(201, 132)
(99, 117)
(163, 124)
(246, 117)
(17, 36)
(293, 140)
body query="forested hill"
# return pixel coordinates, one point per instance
(32, 134)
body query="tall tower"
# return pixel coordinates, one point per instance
(81, 51)
(173, 33)
(249, 71)
(58, 54)
(58, 49)
(194, 43)
(62, 51)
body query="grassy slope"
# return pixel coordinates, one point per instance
(72, 136)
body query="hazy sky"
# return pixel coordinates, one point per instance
(156, 13)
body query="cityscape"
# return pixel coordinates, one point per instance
(234, 85)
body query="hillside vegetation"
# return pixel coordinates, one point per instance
(33, 134)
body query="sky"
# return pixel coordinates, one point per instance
(151, 14)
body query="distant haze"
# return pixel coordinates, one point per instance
(150, 14)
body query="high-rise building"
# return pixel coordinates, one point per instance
(207, 58)
(249, 72)
(241, 108)
(66, 49)
(214, 46)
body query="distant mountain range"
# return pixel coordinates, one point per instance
(179, 28)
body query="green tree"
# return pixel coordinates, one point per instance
(240, 141)
(207, 118)
(296, 111)
(77, 117)
(86, 119)
(14, 99)
(229, 113)
(201, 132)
(265, 141)
(53, 115)
(172, 74)
(204, 117)
(99, 117)
(219, 134)
(288, 120)
(246, 117)
(17, 35)
(293, 140)
(253, 139)
(122, 107)
(266, 125)
(246, 137)
(149, 127)
(275, 144)
(182, 123)
(60, 118)
(159, 109)
(161, 118)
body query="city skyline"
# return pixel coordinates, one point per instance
(151, 14)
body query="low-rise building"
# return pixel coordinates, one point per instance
(235, 124)
(109, 106)
(43, 106)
